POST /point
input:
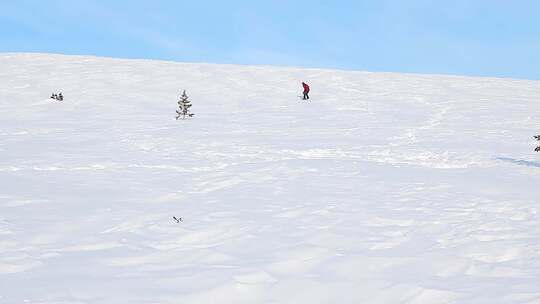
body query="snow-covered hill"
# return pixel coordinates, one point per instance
(385, 188)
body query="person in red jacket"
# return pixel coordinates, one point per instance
(306, 90)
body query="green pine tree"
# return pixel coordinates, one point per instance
(183, 107)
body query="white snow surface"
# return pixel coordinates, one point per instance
(385, 188)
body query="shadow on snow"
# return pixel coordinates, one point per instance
(520, 162)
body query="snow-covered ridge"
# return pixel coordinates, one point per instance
(385, 188)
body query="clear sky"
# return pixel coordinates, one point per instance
(466, 37)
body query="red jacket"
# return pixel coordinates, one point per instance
(306, 87)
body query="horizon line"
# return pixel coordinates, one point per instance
(323, 68)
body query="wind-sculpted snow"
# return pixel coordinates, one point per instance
(385, 188)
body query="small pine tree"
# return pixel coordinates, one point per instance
(183, 107)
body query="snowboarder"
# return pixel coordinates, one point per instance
(537, 137)
(54, 96)
(60, 97)
(306, 90)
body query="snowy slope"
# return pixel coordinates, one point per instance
(386, 188)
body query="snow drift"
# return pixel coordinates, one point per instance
(385, 188)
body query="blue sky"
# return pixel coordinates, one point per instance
(466, 37)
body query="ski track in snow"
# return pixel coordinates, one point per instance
(385, 188)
